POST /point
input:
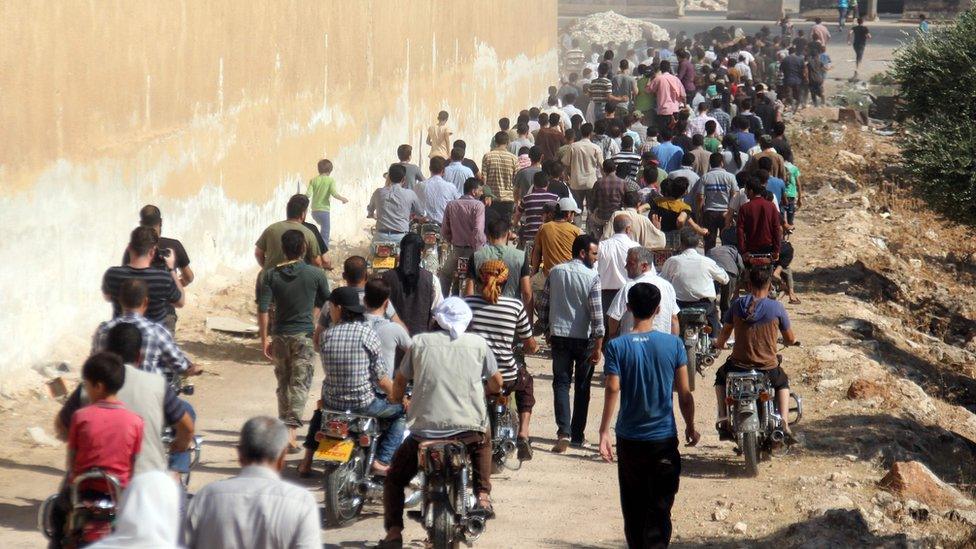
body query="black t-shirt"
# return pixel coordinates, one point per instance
(162, 289)
(558, 188)
(470, 164)
(318, 235)
(860, 33)
(682, 141)
(182, 260)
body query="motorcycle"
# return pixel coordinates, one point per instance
(504, 433)
(448, 501)
(383, 256)
(695, 330)
(435, 250)
(93, 499)
(179, 386)
(755, 426)
(348, 444)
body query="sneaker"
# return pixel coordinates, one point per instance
(524, 449)
(561, 445)
(581, 445)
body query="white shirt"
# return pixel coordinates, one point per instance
(435, 193)
(744, 69)
(254, 509)
(662, 320)
(693, 275)
(570, 110)
(612, 259)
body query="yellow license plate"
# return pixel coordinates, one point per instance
(335, 450)
(384, 262)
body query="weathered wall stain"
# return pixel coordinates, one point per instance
(217, 111)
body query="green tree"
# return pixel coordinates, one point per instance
(937, 78)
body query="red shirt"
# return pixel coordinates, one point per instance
(759, 226)
(105, 435)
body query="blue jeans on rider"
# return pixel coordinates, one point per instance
(711, 313)
(392, 436)
(570, 358)
(789, 210)
(180, 461)
(388, 237)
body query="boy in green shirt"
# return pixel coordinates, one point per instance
(320, 191)
(712, 143)
(793, 191)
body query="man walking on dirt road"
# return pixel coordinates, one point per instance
(642, 369)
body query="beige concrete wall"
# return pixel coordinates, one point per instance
(216, 111)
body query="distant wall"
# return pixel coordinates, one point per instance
(630, 8)
(216, 111)
(755, 10)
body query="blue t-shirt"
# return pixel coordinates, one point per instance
(777, 186)
(645, 363)
(745, 139)
(668, 156)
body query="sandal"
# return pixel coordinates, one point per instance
(794, 301)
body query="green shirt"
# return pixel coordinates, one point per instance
(644, 102)
(320, 190)
(792, 175)
(712, 144)
(270, 243)
(295, 288)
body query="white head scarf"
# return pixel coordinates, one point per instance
(149, 516)
(453, 315)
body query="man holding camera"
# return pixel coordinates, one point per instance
(165, 286)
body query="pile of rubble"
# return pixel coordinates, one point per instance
(706, 5)
(609, 26)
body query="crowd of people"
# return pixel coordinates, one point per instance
(654, 178)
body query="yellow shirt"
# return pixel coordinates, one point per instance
(555, 241)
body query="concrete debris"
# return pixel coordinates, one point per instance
(707, 5)
(720, 514)
(914, 480)
(41, 438)
(609, 26)
(832, 353)
(830, 383)
(740, 528)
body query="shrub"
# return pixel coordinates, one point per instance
(937, 78)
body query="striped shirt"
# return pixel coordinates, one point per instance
(531, 208)
(600, 89)
(628, 164)
(500, 324)
(499, 167)
(163, 291)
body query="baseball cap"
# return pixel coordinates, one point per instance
(568, 204)
(347, 298)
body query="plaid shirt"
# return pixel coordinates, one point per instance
(594, 303)
(159, 352)
(499, 167)
(353, 363)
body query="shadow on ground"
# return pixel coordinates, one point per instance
(837, 528)
(224, 350)
(20, 517)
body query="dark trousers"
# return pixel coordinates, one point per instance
(405, 464)
(571, 358)
(648, 473)
(710, 312)
(727, 292)
(714, 222)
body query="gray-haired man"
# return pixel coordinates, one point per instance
(256, 508)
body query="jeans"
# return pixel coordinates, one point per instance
(714, 221)
(322, 218)
(388, 237)
(841, 16)
(571, 357)
(789, 210)
(180, 461)
(648, 473)
(391, 437)
(581, 196)
(711, 313)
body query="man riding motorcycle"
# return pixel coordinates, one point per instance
(355, 371)
(694, 276)
(447, 367)
(755, 319)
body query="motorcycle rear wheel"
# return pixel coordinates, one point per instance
(443, 535)
(692, 367)
(342, 503)
(750, 451)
